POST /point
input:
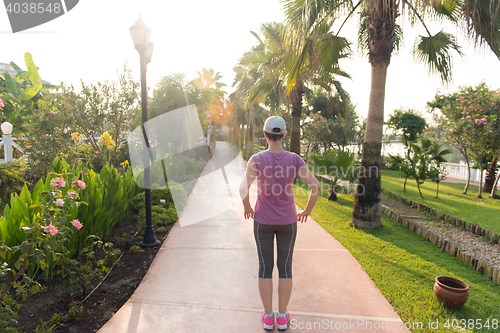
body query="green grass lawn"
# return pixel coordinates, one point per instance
(483, 212)
(404, 266)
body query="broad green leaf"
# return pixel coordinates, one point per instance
(29, 94)
(16, 67)
(33, 71)
(18, 263)
(35, 289)
(13, 87)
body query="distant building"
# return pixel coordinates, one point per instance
(7, 68)
(4, 67)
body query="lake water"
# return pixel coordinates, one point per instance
(397, 148)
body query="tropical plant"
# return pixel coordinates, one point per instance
(379, 35)
(12, 180)
(423, 161)
(20, 94)
(337, 165)
(396, 162)
(437, 171)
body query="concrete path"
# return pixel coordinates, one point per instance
(204, 279)
(463, 181)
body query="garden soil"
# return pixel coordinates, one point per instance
(114, 291)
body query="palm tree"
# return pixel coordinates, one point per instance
(256, 77)
(257, 82)
(280, 71)
(337, 165)
(379, 34)
(313, 58)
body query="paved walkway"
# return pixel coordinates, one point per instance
(463, 181)
(204, 279)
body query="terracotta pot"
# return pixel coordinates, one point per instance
(453, 292)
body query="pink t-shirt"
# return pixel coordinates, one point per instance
(275, 175)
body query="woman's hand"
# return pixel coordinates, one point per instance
(248, 213)
(302, 216)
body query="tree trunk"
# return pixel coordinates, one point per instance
(437, 189)
(296, 97)
(367, 208)
(494, 188)
(419, 192)
(479, 194)
(242, 141)
(404, 185)
(249, 145)
(468, 177)
(490, 175)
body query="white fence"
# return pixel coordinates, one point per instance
(7, 141)
(460, 171)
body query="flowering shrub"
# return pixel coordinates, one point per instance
(471, 121)
(77, 199)
(57, 228)
(478, 111)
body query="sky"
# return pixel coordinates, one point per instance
(92, 43)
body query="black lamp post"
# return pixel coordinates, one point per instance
(140, 35)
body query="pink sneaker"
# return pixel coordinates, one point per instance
(268, 322)
(283, 322)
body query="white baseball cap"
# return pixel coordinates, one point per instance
(275, 125)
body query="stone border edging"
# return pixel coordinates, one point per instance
(490, 236)
(452, 249)
(344, 189)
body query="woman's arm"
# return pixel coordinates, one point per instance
(250, 175)
(306, 175)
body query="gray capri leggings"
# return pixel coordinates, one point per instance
(285, 239)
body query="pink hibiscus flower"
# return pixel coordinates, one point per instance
(80, 184)
(50, 229)
(57, 182)
(77, 224)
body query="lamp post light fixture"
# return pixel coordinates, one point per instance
(140, 35)
(7, 140)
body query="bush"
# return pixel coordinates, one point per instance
(105, 198)
(12, 180)
(159, 215)
(393, 162)
(138, 202)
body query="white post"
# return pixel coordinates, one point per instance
(7, 147)
(6, 128)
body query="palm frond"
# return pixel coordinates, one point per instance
(344, 95)
(331, 49)
(256, 35)
(449, 9)
(363, 35)
(435, 52)
(483, 22)
(305, 14)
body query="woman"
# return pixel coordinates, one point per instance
(275, 214)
